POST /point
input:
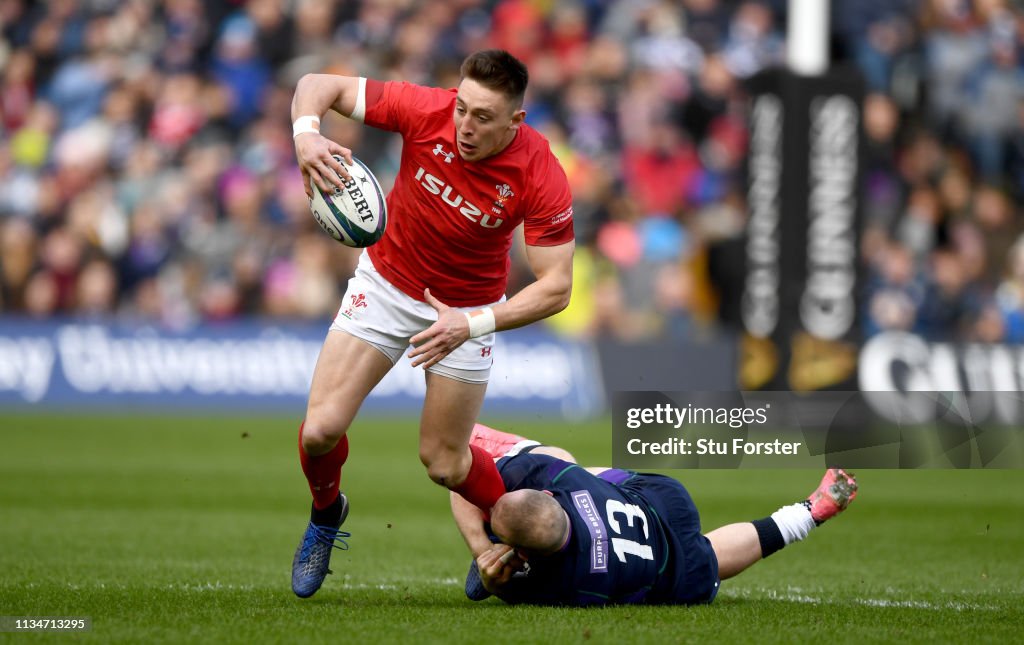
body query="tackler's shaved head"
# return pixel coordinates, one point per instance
(530, 520)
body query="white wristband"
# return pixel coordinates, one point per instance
(305, 124)
(481, 322)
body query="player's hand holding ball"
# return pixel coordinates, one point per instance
(318, 159)
(345, 198)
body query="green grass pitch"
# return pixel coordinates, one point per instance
(182, 530)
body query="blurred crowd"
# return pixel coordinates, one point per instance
(147, 168)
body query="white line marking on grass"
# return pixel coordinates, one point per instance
(217, 585)
(787, 594)
(796, 594)
(209, 586)
(445, 582)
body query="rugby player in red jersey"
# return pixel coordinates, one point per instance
(471, 172)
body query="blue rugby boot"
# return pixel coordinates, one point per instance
(312, 558)
(474, 585)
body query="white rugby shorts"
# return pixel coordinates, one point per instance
(377, 312)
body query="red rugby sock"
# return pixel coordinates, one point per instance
(323, 472)
(483, 485)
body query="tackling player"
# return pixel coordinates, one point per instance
(471, 172)
(575, 536)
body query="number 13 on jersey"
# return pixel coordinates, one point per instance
(617, 513)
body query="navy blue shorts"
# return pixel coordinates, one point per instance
(692, 578)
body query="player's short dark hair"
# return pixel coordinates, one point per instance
(498, 70)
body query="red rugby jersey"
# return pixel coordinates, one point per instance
(450, 222)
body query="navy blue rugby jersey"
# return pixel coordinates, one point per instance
(617, 551)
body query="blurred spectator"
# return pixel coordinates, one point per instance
(879, 35)
(883, 191)
(18, 90)
(1000, 227)
(18, 248)
(954, 47)
(61, 257)
(920, 225)
(894, 291)
(96, 289)
(275, 31)
(950, 302)
(42, 295)
(673, 293)
(993, 94)
(753, 43)
(239, 66)
(659, 172)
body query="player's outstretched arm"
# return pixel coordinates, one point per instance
(547, 295)
(470, 521)
(315, 94)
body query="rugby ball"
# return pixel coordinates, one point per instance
(355, 215)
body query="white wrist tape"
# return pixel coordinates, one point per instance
(481, 322)
(305, 124)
